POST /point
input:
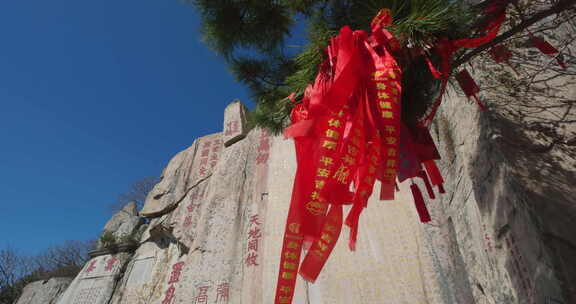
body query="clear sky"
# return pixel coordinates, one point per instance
(93, 96)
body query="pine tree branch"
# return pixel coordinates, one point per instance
(558, 8)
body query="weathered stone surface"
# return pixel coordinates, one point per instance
(231, 225)
(503, 233)
(390, 265)
(124, 223)
(235, 124)
(218, 215)
(213, 222)
(44, 292)
(97, 280)
(506, 219)
(187, 169)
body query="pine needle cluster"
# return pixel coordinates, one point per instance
(251, 35)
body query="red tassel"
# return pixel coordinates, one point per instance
(441, 189)
(469, 86)
(353, 237)
(420, 205)
(467, 83)
(501, 54)
(561, 62)
(352, 221)
(543, 45)
(387, 192)
(479, 102)
(427, 184)
(546, 48)
(433, 172)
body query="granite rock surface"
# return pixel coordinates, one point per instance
(44, 292)
(500, 234)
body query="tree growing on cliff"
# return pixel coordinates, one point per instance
(253, 36)
(136, 192)
(17, 270)
(12, 269)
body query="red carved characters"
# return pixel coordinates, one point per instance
(215, 153)
(254, 235)
(176, 271)
(197, 194)
(110, 263)
(204, 154)
(522, 277)
(169, 295)
(263, 148)
(187, 221)
(202, 297)
(91, 266)
(223, 293)
(209, 154)
(232, 127)
(174, 278)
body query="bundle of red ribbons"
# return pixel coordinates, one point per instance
(348, 133)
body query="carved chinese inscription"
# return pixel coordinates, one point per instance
(254, 236)
(234, 128)
(202, 297)
(222, 293)
(174, 278)
(521, 275)
(263, 148)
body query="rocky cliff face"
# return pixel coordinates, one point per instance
(510, 207)
(500, 234)
(44, 292)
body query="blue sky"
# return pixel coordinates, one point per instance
(93, 96)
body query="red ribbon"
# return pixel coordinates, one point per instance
(501, 54)
(347, 131)
(496, 13)
(546, 48)
(420, 205)
(469, 86)
(433, 172)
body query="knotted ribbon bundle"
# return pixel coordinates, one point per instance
(348, 133)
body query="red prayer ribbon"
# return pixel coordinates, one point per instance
(469, 87)
(546, 48)
(348, 133)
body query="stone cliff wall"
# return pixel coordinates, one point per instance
(504, 232)
(44, 292)
(217, 218)
(218, 214)
(215, 236)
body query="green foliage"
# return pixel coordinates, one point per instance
(136, 192)
(128, 239)
(16, 270)
(308, 61)
(272, 113)
(232, 24)
(251, 35)
(108, 239)
(417, 23)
